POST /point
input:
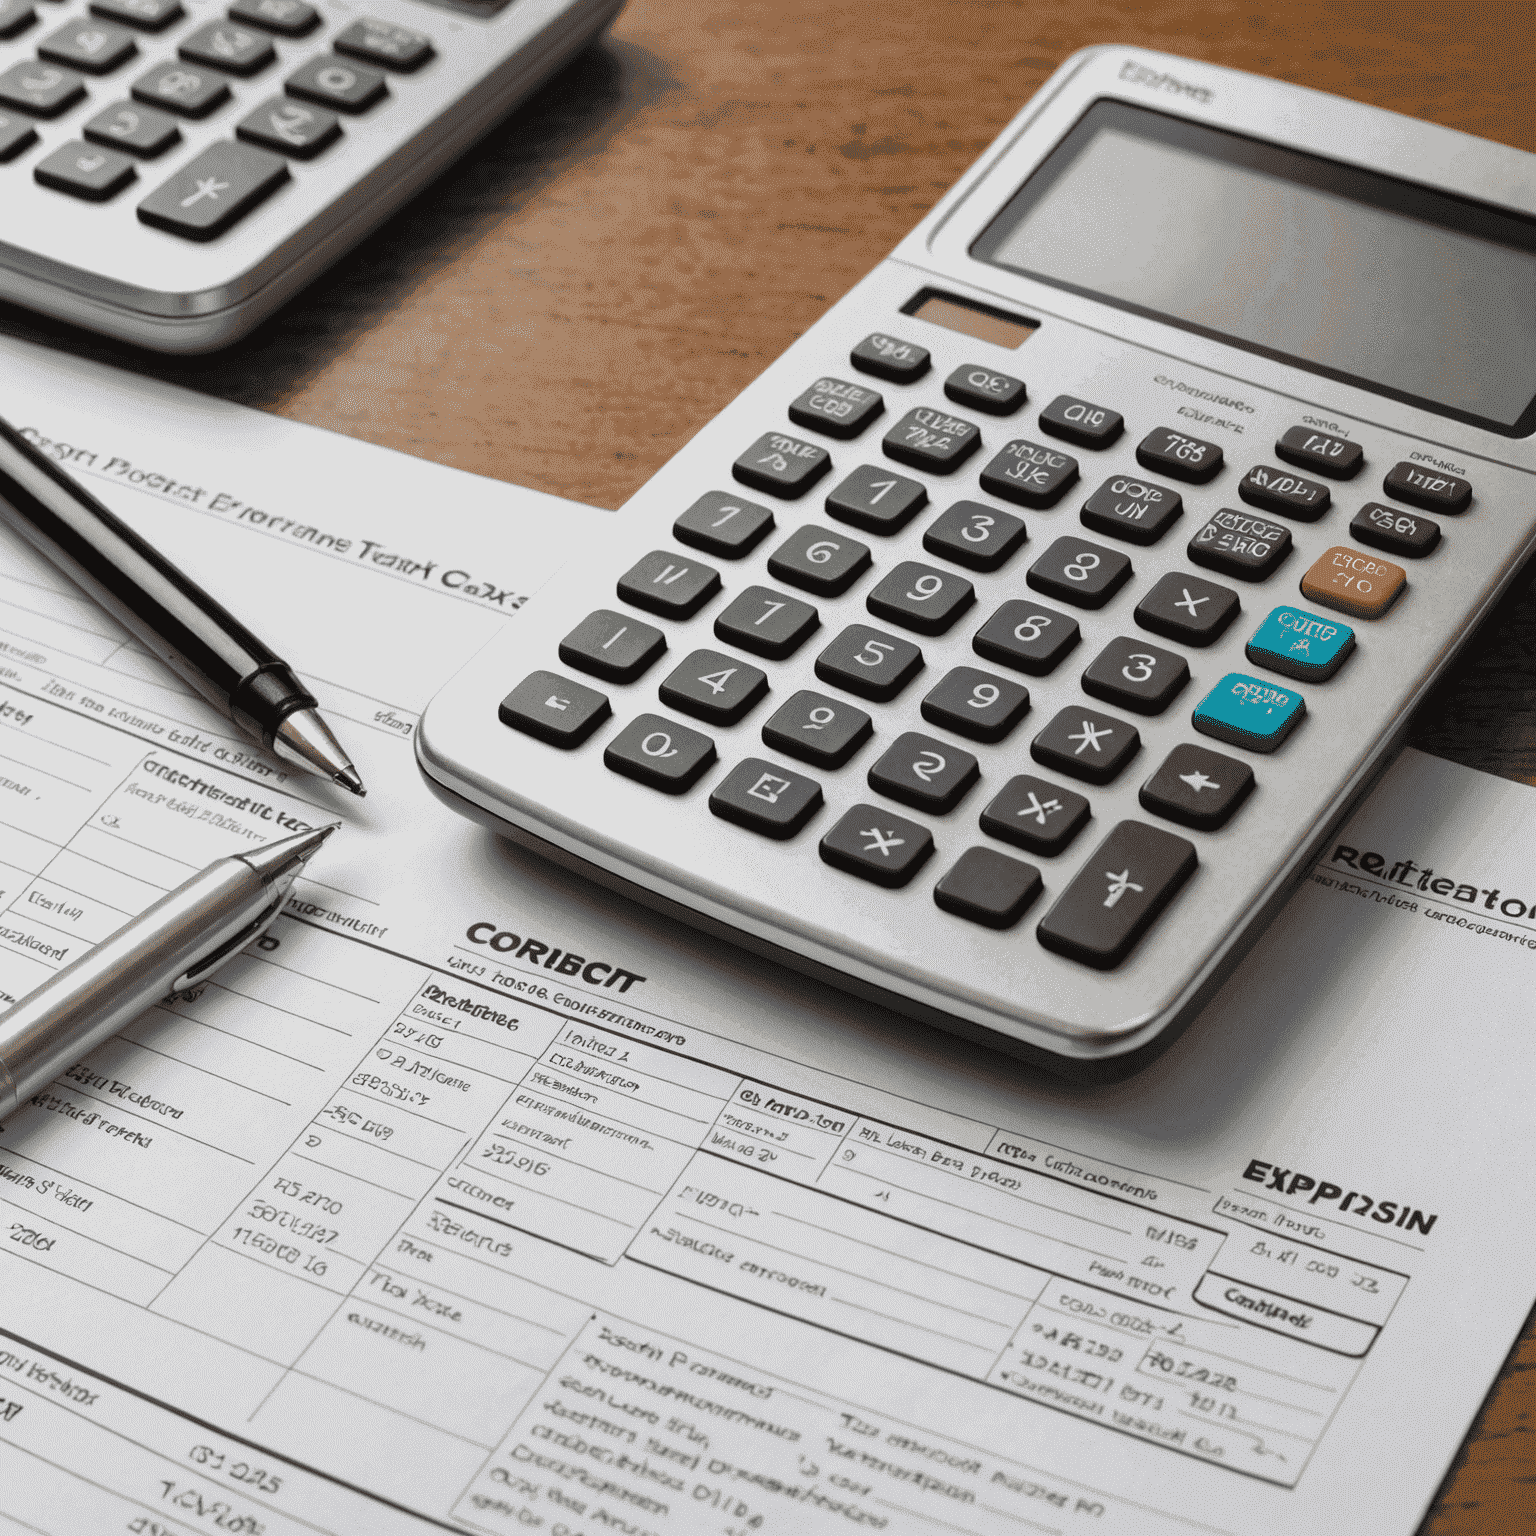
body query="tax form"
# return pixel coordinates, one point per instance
(475, 1199)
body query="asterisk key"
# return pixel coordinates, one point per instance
(1089, 737)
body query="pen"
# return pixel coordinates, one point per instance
(199, 639)
(178, 942)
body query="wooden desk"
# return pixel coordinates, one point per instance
(599, 277)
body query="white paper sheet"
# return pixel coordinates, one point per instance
(475, 1200)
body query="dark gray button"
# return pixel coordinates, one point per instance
(724, 525)
(85, 171)
(1081, 422)
(211, 192)
(767, 623)
(1240, 544)
(670, 585)
(817, 729)
(976, 704)
(1030, 474)
(926, 774)
(1083, 574)
(985, 389)
(766, 798)
(1336, 457)
(1086, 744)
(989, 888)
(1197, 787)
(146, 15)
(1027, 637)
(1396, 531)
(289, 128)
(333, 82)
(288, 18)
(97, 47)
(781, 465)
(875, 845)
(186, 92)
(381, 42)
(1117, 895)
(660, 753)
(1136, 676)
(1278, 490)
(1131, 509)
(819, 561)
(877, 499)
(234, 49)
(43, 90)
(888, 357)
(1174, 453)
(932, 440)
(713, 686)
(554, 709)
(1036, 814)
(920, 598)
(975, 535)
(1187, 608)
(16, 134)
(870, 663)
(15, 17)
(612, 646)
(836, 407)
(1431, 489)
(135, 129)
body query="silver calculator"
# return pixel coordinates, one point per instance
(1010, 649)
(173, 170)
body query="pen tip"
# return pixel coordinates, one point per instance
(348, 779)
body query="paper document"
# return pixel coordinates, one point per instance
(473, 1199)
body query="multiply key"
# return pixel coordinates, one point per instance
(876, 846)
(1036, 814)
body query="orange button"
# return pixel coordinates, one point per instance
(1362, 585)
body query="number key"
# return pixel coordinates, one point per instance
(926, 774)
(767, 623)
(97, 47)
(39, 89)
(1136, 676)
(1080, 573)
(976, 704)
(230, 48)
(656, 751)
(612, 646)
(818, 560)
(146, 15)
(714, 687)
(877, 500)
(330, 82)
(724, 525)
(1027, 637)
(870, 663)
(975, 535)
(816, 729)
(921, 598)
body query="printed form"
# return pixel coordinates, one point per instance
(473, 1199)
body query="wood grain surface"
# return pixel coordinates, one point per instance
(606, 270)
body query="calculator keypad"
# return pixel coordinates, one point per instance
(870, 663)
(210, 192)
(765, 798)
(94, 47)
(820, 561)
(1077, 572)
(1035, 814)
(660, 753)
(714, 687)
(724, 525)
(1086, 744)
(86, 172)
(989, 887)
(345, 87)
(135, 130)
(613, 646)
(1030, 474)
(975, 535)
(920, 598)
(817, 729)
(877, 846)
(976, 704)
(927, 774)
(669, 585)
(767, 623)
(877, 500)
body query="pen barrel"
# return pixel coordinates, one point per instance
(166, 612)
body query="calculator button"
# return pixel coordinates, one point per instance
(932, 440)
(554, 709)
(1249, 712)
(146, 15)
(186, 92)
(1029, 474)
(1081, 422)
(288, 18)
(16, 134)
(921, 598)
(211, 192)
(724, 525)
(1080, 573)
(1336, 457)
(877, 846)
(138, 130)
(670, 585)
(1134, 510)
(877, 499)
(380, 42)
(85, 171)
(221, 44)
(819, 561)
(1036, 814)
(1277, 490)
(1187, 608)
(1396, 531)
(784, 466)
(329, 82)
(1185, 458)
(870, 663)
(1299, 644)
(1427, 488)
(888, 357)
(1027, 637)
(1240, 544)
(1357, 584)
(975, 535)
(714, 687)
(1086, 744)
(767, 623)
(15, 17)
(976, 704)
(765, 798)
(1136, 676)
(290, 129)
(989, 888)
(661, 753)
(97, 47)
(1117, 895)
(836, 407)
(40, 89)
(816, 729)
(926, 774)
(612, 646)
(1197, 788)
(985, 389)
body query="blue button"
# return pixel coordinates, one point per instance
(1301, 644)
(1248, 712)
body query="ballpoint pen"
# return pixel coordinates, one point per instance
(200, 640)
(170, 947)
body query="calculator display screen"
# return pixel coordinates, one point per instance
(1413, 293)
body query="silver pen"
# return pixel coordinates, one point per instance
(178, 942)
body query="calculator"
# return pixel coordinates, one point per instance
(173, 170)
(1012, 647)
